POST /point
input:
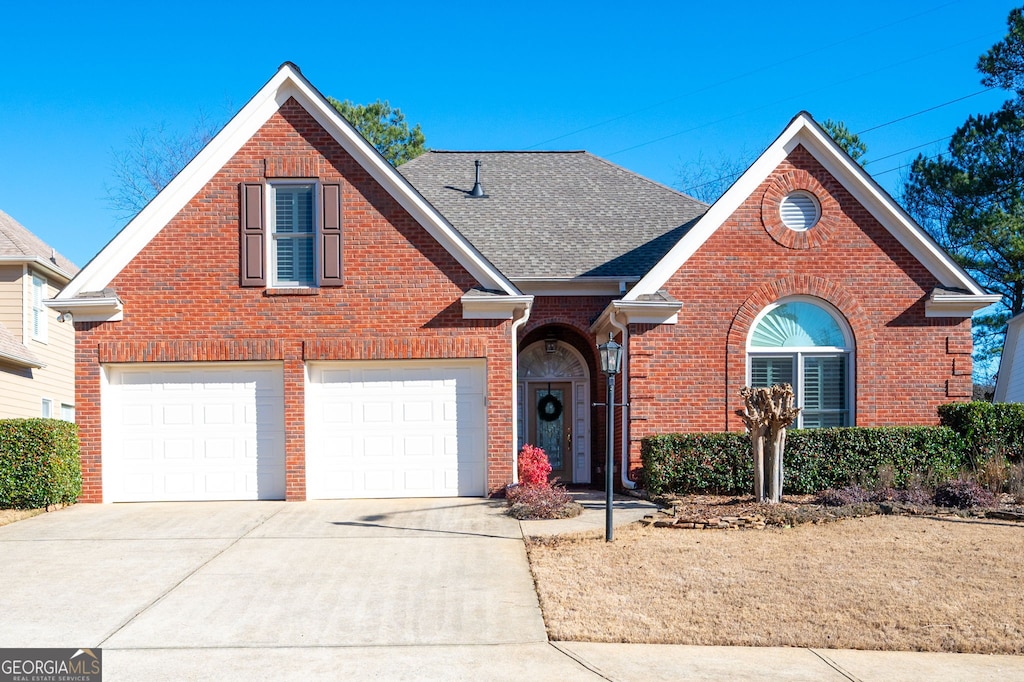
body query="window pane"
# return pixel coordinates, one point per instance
(797, 324)
(294, 260)
(293, 211)
(824, 391)
(765, 372)
(293, 246)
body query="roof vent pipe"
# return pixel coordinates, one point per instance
(478, 191)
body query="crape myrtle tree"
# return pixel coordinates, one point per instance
(971, 198)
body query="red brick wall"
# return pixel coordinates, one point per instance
(905, 364)
(183, 302)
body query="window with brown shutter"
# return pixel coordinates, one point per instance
(301, 245)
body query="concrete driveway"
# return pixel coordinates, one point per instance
(393, 589)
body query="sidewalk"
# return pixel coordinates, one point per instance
(665, 663)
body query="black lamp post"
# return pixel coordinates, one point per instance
(611, 361)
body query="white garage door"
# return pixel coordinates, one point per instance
(395, 429)
(193, 432)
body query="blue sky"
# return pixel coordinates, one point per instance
(653, 87)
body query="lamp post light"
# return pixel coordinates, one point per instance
(610, 354)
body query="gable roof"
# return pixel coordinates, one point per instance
(619, 224)
(18, 245)
(804, 131)
(286, 84)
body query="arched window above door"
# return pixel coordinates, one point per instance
(564, 362)
(806, 343)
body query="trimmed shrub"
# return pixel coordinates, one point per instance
(963, 494)
(815, 459)
(534, 467)
(990, 429)
(39, 463)
(719, 463)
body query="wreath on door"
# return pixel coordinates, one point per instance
(549, 408)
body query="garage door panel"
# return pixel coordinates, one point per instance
(195, 432)
(396, 428)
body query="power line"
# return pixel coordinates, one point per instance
(906, 165)
(797, 96)
(924, 111)
(768, 67)
(889, 156)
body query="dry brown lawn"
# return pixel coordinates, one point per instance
(882, 582)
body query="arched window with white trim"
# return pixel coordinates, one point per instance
(805, 342)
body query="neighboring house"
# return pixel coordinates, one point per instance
(293, 318)
(37, 353)
(1010, 379)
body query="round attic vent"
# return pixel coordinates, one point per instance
(799, 211)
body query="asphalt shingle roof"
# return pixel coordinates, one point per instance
(17, 241)
(11, 350)
(555, 214)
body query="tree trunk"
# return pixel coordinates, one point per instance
(767, 413)
(757, 444)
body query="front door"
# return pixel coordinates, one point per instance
(551, 420)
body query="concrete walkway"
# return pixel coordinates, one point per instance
(335, 590)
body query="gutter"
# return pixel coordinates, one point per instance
(624, 464)
(520, 317)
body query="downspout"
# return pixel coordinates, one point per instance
(624, 373)
(520, 317)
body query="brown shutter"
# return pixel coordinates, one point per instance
(330, 237)
(253, 237)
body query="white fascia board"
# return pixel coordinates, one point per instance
(493, 307)
(1013, 330)
(20, 362)
(109, 309)
(286, 83)
(574, 286)
(804, 131)
(637, 312)
(41, 263)
(957, 305)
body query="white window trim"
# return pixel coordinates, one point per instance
(36, 309)
(46, 408)
(67, 412)
(271, 222)
(799, 353)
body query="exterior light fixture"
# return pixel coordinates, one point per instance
(550, 345)
(610, 355)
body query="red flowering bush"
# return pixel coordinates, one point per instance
(534, 497)
(534, 467)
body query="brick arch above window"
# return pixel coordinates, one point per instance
(771, 215)
(799, 285)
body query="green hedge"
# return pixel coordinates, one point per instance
(815, 459)
(990, 429)
(39, 463)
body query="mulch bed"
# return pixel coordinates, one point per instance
(732, 512)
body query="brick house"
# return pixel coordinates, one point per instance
(293, 318)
